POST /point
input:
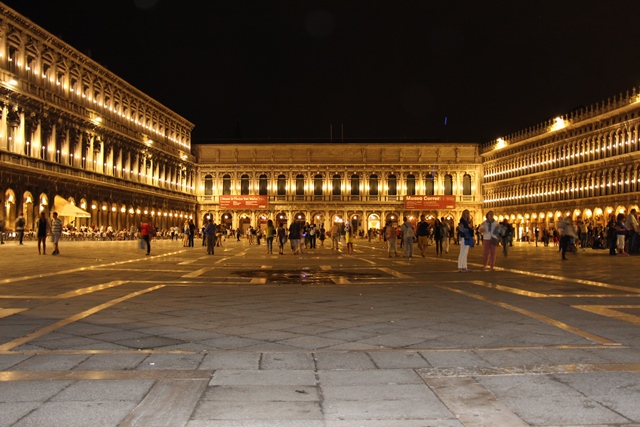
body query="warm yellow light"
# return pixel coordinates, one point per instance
(501, 143)
(558, 124)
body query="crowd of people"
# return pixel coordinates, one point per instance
(621, 235)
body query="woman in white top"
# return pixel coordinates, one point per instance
(491, 231)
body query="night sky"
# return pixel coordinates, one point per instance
(461, 71)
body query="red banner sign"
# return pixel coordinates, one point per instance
(429, 202)
(244, 202)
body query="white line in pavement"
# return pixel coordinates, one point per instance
(576, 331)
(69, 320)
(197, 273)
(6, 312)
(394, 273)
(75, 270)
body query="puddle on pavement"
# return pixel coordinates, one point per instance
(304, 277)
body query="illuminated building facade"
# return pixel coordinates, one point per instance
(322, 183)
(71, 128)
(585, 165)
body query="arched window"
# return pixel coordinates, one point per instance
(411, 185)
(448, 185)
(393, 185)
(355, 185)
(373, 186)
(429, 187)
(244, 184)
(336, 183)
(282, 185)
(226, 185)
(466, 185)
(262, 185)
(299, 185)
(208, 185)
(317, 185)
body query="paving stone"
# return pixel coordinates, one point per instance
(293, 361)
(30, 391)
(51, 362)
(369, 377)
(13, 411)
(295, 411)
(272, 377)
(343, 360)
(77, 414)
(111, 390)
(230, 360)
(384, 410)
(112, 362)
(398, 360)
(267, 393)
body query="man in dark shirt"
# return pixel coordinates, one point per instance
(423, 235)
(294, 237)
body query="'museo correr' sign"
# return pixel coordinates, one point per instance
(429, 202)
(244, 202)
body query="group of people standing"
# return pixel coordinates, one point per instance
(493, 234)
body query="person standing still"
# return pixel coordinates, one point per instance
(56, 232)
(20, 222)
(210, 235)
(335, 235)
(192, 233)
(348, 238)
(42, 228)
(270, 233)
(466, 241)
(490, 230)
(423, 235)
(390, 236)
(282, 237)
(408, 234)
(437, 236)
(446, 234)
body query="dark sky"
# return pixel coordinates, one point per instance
(463, 71)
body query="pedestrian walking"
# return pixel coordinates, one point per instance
(20, 223)
(147, 230)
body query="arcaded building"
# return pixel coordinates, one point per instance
(73, 132)
(366, 184)
(584, 165)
